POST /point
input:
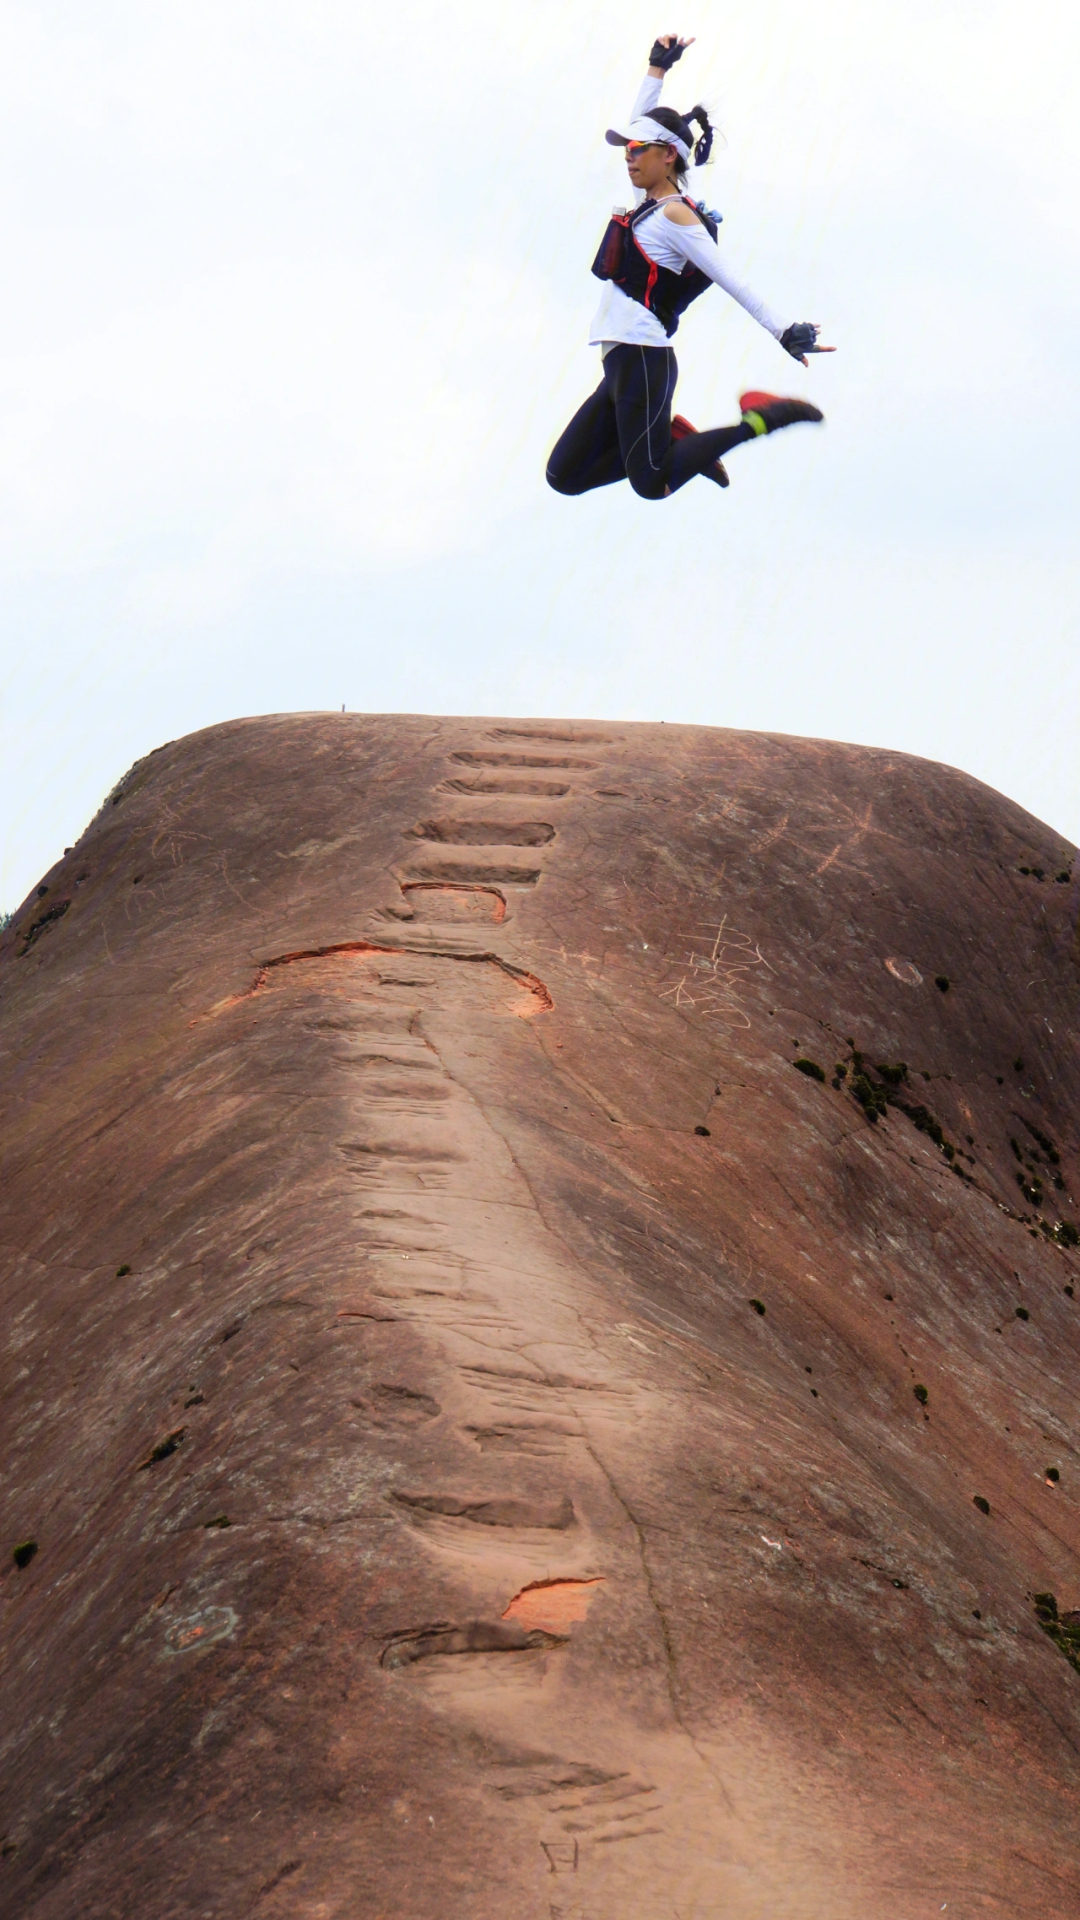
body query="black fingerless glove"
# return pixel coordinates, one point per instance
(800, 338)
(665, 57)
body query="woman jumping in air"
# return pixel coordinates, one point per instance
(654, 260)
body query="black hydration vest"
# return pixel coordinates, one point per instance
(622, 259)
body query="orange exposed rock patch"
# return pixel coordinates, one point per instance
(554, 1604)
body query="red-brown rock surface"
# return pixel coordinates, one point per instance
(400, 1126)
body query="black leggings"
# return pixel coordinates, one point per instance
(623, 431)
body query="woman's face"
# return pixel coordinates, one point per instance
(650, 166)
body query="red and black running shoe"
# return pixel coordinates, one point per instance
(765, 412)
(680, 427)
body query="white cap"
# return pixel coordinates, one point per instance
(650, 130)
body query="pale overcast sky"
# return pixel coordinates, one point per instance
(296, 301)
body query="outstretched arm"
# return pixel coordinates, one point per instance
(695, 244)
(697, 247)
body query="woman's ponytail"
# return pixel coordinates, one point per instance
(703, 147)
(680, 125)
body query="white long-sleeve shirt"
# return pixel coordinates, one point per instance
(621, 321)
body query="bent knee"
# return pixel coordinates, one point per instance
(648, 486)
(562, 482)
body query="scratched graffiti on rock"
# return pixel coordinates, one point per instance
(720, 961)
(562, 1855)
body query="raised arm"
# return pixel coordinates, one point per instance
(648, 95)
(665, 51)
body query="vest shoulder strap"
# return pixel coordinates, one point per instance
(709, 220)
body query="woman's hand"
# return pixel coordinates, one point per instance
(800, 339)
(666, 49)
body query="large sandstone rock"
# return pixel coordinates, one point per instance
(501, 1442)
